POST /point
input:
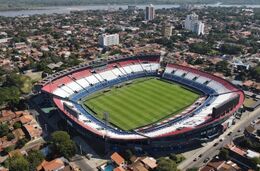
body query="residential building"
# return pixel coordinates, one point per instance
(108, 40)
(54, 165)
(119, 160)
(222, 165)
(193, 24)
(149, 12)
(252, 132)
(167, 30)
(132, 7)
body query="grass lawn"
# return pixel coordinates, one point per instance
(141, 103)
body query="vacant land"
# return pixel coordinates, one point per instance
(141, 103)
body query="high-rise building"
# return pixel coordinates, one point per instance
(149, 12)
(132, 8)
(167, 30)
(193, 24)
(108, 40)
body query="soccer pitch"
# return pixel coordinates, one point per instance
(143, 102)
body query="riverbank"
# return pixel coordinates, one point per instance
(67, 9)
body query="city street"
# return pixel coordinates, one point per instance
(209, 150)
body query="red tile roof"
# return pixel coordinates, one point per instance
(117, 158)
(51, 165)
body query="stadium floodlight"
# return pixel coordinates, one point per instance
(106, 118)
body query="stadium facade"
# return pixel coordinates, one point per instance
(201, 122)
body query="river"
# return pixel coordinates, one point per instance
(68, 9)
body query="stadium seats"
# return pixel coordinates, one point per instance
(80, 84)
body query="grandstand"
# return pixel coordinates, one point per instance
(200, 121)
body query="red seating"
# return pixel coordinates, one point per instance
(60, 106)
(81, 74)
(54, 84)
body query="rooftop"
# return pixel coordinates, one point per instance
(117, 158)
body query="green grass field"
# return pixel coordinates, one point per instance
(141, 103)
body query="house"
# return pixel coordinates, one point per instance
(32, 131)
(116, 158)
(3, 169)
(143, 164)
(26, 119)
(221, 165)
(240, 155)
(54, 165)
(149, 163)
(119, 168)
(18, 133)
(7, 115)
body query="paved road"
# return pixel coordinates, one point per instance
(208, 151)
(81, 162)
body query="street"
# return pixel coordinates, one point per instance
(209, 150)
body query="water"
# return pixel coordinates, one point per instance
(109, 167)
(68, 9)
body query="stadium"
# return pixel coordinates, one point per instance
(142, 102)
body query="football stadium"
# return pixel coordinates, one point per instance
(143, 102)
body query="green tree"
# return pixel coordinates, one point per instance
(10, 136)
(201, 48)
(231, 49)
(17, 125)
(166, 165)
(18, 163)
(3, 129)
(9, 149)
(35, 158)
(198, 61)
(223, 66)
(256, 161)
(128, 154)
(9, 95)
(192, 169)
(224, 154)
(21, 143)
(22, 82)
(62, 144)
(173, 156)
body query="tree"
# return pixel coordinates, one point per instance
(17, 125)
(201, 48)
(128, 154)
(3, 129)
(9, 95)
(10, 136)
(230, 49)
(18, 163)
(173, 156)
(9, 149)
(177, 158)
(223, 66)
(198, 61)
(62, 144)
(255, 161)
(35, 158)
(21, 143)
(22, 82)
(192, 169)
(224, 154)
(166, 165)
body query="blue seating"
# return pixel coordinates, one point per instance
(105, 84)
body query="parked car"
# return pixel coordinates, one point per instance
(206, 160)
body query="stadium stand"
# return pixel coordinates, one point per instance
(80, 83)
